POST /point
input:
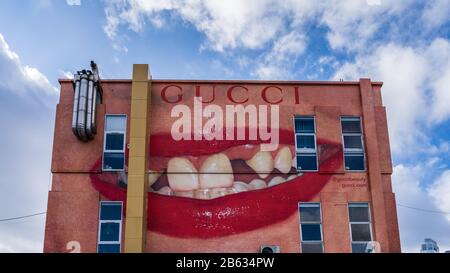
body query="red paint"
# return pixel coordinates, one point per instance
(231, 214)
(198, 94)
(164, 95)
(165, 145)
(230, 93)
(264, 94)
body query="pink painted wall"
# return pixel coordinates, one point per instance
(74, 199)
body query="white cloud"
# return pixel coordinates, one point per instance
(279, 61)
(23, 80)
(24, 91)
(440, 192)
(73, 2)
(436, 13)
(226, 24)
(253, 24)
(66, 74)
(279, 30)
(414, 90)
(409, 184)
(24, 192)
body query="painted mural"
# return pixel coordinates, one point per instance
(212, 178)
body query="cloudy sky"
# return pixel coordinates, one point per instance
(405, 44)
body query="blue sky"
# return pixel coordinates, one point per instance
(405, 44)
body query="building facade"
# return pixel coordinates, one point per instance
(429, 246)
(148, 165)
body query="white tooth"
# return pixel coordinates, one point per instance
(201, 194)
(239, 186)
(291, 177)
(294, 162)
(216, 172)
(187, 194)
(152, 177)
(257, 184)
(165, 191)
(182, 175)
(276, 180)
(219, 192)
(283, 160)
(261, 163)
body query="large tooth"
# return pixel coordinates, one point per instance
(261, 163)
(165, 191)
(257, 184)
(216, 172)
(187, 194)
(201, 194)
(291, 177)
(283, 160)
(239, 186)
(219, 192)
(276, 180)
(182, 175)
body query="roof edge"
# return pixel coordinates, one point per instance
(377, 83)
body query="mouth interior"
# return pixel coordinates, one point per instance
(245, 178)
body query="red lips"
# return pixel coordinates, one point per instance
(231, 214)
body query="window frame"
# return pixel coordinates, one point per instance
(100, 222)
(320, 223)
(308, 152)
(369, 213)
(114, 151)
(352, 151)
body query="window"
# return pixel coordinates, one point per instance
(311, 227)
(114, 143)
(353, 143)
(360, 226)
(110, 227)
(305, 142)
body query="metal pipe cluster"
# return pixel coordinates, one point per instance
(87, 94)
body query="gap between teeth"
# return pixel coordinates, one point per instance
(215, 177)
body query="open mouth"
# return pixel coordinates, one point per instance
(206, 189)
(235, 170)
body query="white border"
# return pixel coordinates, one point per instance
(100, 222)
(114, 151)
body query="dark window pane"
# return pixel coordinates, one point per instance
(361, 232)
(306, 162)
(108, 248)
(354, 162)
(359, 247)
(305, 142)
(304, 125)
(312, 248)
(311, 232)
(113, 161)
(352, 142)
(309, 214)
(114, 141)
(109, 231)
(111, 211)
(359, 214)
(351, 126)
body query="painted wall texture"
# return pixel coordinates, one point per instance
(224, 194)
